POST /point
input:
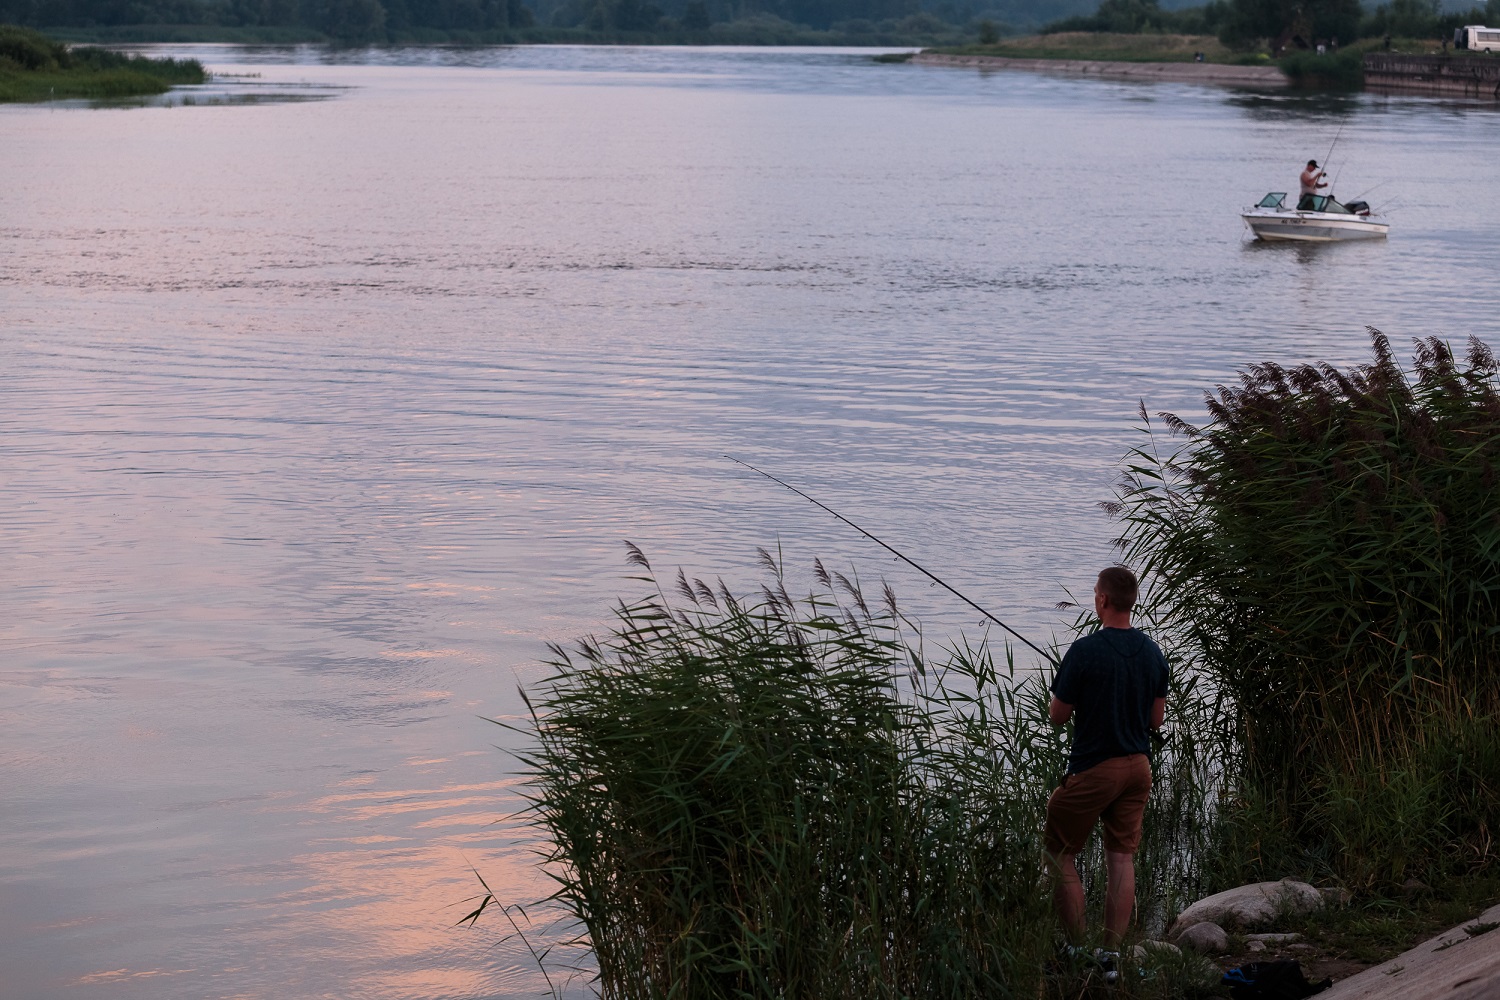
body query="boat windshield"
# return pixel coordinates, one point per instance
(1321, 203)
(1275, 199)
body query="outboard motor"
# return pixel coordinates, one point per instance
(1359, 207)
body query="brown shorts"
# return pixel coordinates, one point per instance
(1114, 790)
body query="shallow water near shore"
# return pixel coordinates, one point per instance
(319, 418)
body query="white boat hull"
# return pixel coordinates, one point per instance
(1314, 227)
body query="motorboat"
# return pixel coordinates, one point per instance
(1317, 218)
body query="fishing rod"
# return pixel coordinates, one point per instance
(1052, 657)
(1329, 155)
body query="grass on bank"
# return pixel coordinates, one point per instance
(1327, 553)
(772, 796)
(1106, 47)
(761, 795)
(34, 67)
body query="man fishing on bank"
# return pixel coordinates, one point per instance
(1113, 685)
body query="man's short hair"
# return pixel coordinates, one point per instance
(1119, 585)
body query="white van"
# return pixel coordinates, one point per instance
(1477, 37)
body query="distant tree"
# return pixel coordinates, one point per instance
(695, 16)
(1294, 21)
(1405, 19)
(989, 32)
(624, 15)
(1129, 16)
(350, 20)
(518, 15)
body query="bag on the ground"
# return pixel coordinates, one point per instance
(1271, 981)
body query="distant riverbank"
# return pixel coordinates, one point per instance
(1177, 72)
(34, 67)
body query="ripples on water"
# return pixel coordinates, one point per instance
(319, 418)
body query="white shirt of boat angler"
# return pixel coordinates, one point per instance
(1312, 179)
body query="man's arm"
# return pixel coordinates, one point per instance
(1158, 712)
(1060, 712)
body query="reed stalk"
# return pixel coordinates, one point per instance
(772, 797)
(1327, 552)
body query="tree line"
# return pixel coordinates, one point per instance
(477, 20)
(1282, 24)
(1240, 24)
(497, 21)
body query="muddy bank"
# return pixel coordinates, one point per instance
(1174, 72)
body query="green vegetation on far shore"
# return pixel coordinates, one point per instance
(1103, 46)
(1316, 44)
(1339, 69)
(751, 29)
(34, 67)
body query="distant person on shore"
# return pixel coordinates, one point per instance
(1113, 685)
(1311, 180)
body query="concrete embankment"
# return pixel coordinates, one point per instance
(1459, 76)
(1173, 72)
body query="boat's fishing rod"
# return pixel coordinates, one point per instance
(1329, 155)
(1052, 657)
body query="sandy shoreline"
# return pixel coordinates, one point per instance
(1175, 72)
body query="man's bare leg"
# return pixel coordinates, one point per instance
(1119, 896)
(1068, 895)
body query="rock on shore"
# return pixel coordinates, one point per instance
(1249, 905)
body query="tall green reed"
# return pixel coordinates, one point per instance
(769, 797)
(1328, 552)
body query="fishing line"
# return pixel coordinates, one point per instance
(1051, 657)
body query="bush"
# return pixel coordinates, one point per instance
(1344, 70)
(31, 50)
(1328, 550)
(784, 798)
(34, 67)
(166, 71)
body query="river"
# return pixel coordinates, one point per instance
(331, 390)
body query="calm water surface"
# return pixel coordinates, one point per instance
(328, 399)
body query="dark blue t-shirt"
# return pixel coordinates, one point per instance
(1111, 679)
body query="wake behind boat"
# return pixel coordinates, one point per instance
(1317, 218)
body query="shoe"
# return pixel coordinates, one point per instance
(1068, 957)
(1109, 963)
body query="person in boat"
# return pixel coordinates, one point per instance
(1113, 685)
(1312, 179)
